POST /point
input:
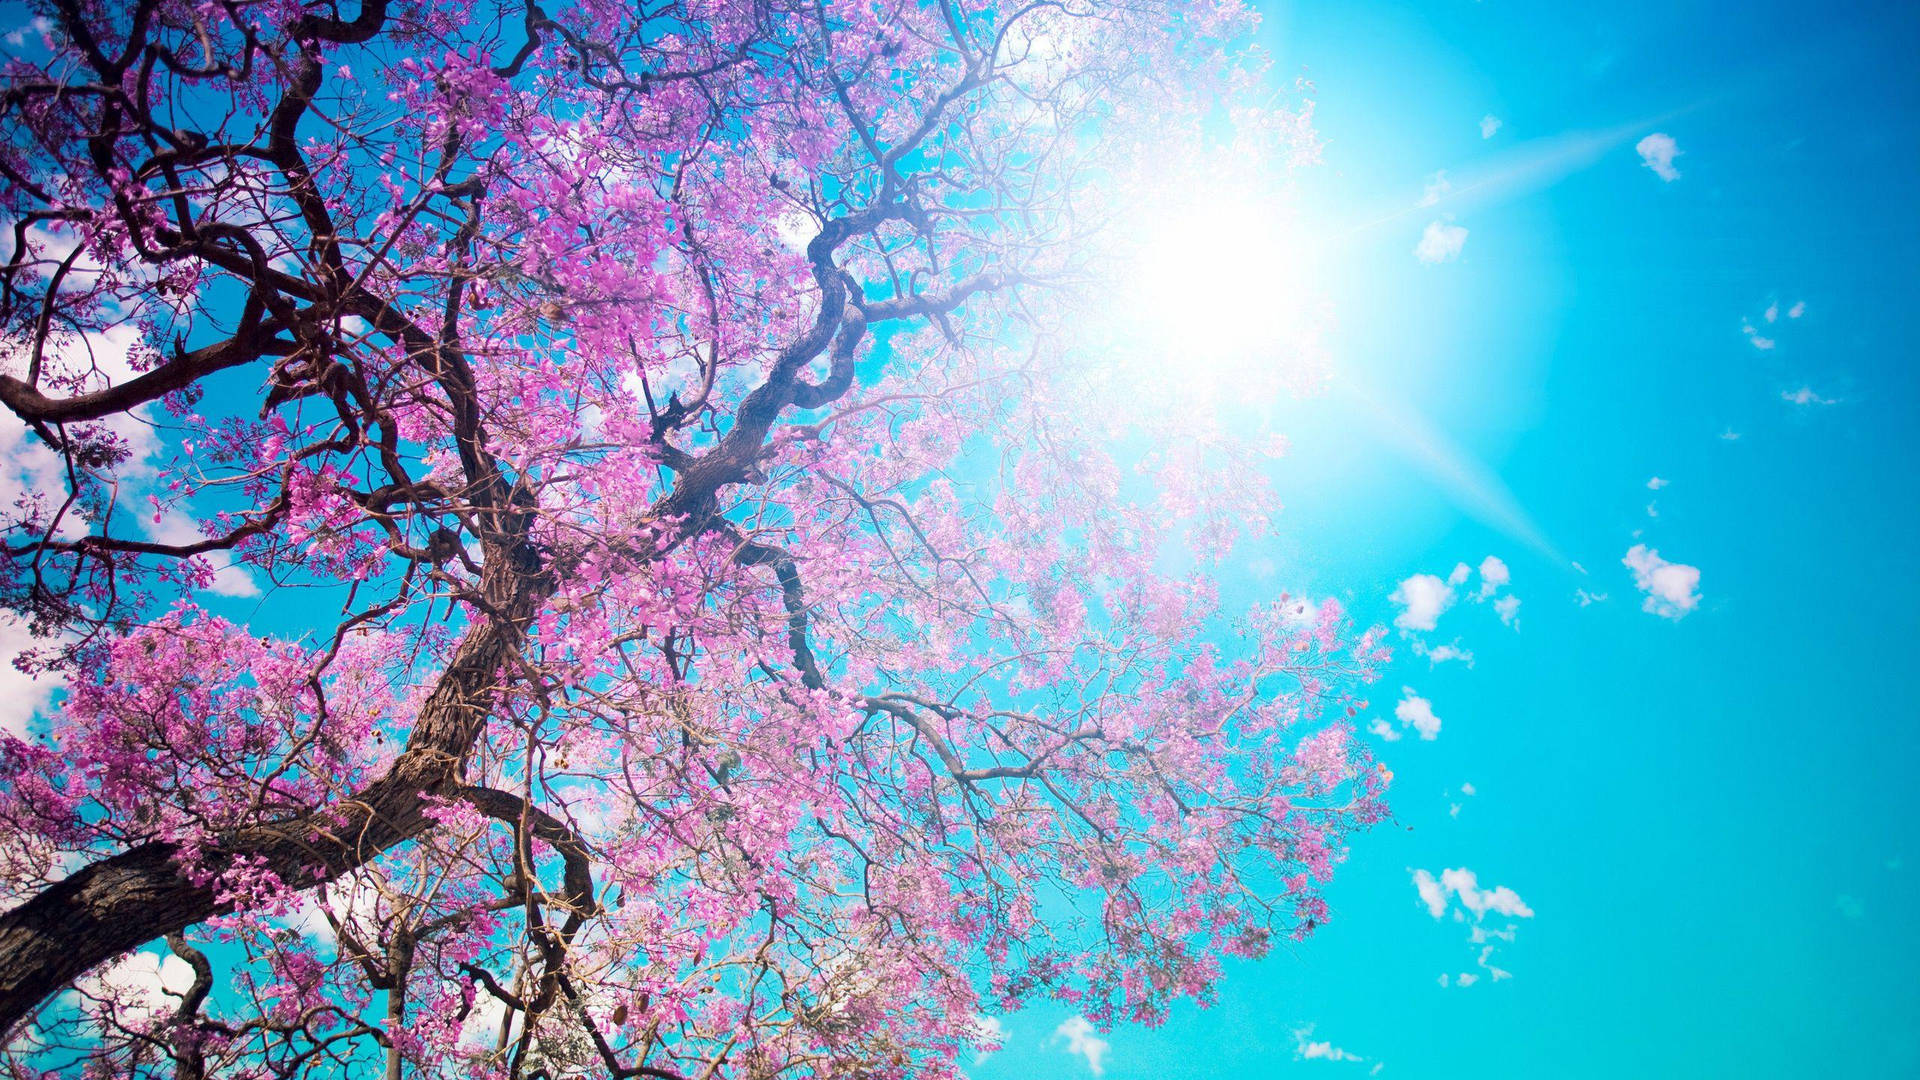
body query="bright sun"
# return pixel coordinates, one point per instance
(1222, 289)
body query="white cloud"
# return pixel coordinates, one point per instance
(1078, 1033)
(989, 1031)
(1656, 484)
(1461, 571)
(1431, 894)
(1806, 396)
(1481, 935)
(96, 361)
(1760, 341)
(1657, 152)
(1306, 1048)
(1437, 188)
(1730, 435)
(140, 981)
(1417, 712)
(29, 469)
(1440, 242)
(1587, 599)
(1672, 588)
(1468, 789)
(1798, 309)
(1423, 597)
(1772, 314)
(1384, 731)
(1440, 654)
(1500, 899)
(481, 1029)
(1653, 509)
(1508, 608)
(354, 900)
(40, 25)
(179, 527)
(21, 695)
(1493, 575)
(1489, 126)
(1464, 885)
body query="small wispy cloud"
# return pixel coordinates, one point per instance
(1453, 808)
(989, 1035)
(1657, 152)
(1307, 1048)
(1772, 314)
(1421, 599)
(1673, 589)
(140, 982)
(22, 695)
(1440, 242)
(1464, 885)
(1417, 712)
(1437, 188)
(1508, 608)
(1458, 890)
(1494, 575)
(1806, 396)
(1082, 1041)
(41, 25)
(1440, 654)
(1489, 126)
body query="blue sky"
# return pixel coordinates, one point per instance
(1712, 819)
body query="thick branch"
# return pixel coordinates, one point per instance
(125, 900)
(31, 405)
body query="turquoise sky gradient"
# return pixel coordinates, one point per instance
(1715, 819)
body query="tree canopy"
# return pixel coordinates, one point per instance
(597, 541)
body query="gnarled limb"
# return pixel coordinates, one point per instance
(128, 899)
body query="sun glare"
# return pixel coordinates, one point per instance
(1221, 289)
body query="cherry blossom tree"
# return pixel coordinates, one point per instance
(596, 541)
